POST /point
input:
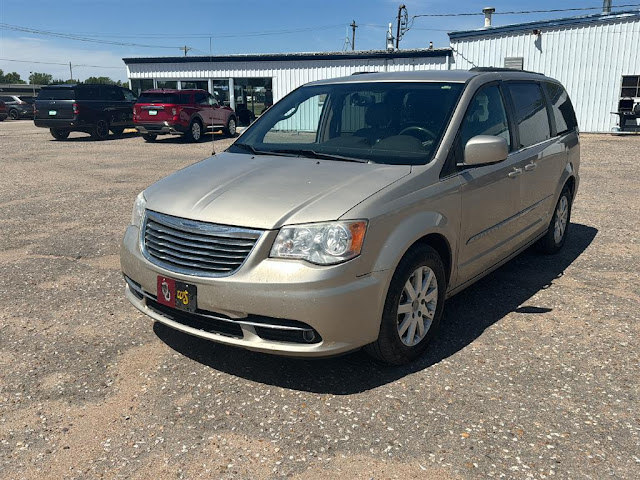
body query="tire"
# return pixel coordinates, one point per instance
(230, 129)
(101, 130)
(194, 133)
(149, 137)
(401, 339)
(117, 131)
(14, 115)
(558, 229)
(59, 134)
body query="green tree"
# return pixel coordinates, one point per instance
(37, 78)
(12, 77)
(59, 81)
(101, 80)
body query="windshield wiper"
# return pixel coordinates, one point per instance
(324, 156)
(252, 149)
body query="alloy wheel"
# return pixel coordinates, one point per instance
(417, 306)
(562, 215)
(196, 131)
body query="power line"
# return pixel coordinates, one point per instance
(56, 63)
(522, 12)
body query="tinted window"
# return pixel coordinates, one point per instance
(57, 94)
(6, 99)
(531, 113)
(201, 98)
(129, 96)
(561, 107)
(173, 98)
(26, 99)
(486, 115)
(89, 92)
(113, 94)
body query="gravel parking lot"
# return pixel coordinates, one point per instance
(535, 374)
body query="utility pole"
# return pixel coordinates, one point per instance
(353, 34)
(70, 72)
(185, 49)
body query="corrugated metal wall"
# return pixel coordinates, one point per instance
(589, 60)
(286, 75)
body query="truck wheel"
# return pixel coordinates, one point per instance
(59, 133)
(194, 134)
(230, 129)
(149, 137)
(413, 307)
(101, 130)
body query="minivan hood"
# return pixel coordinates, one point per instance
(266, 192)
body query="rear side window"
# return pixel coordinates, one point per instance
(89, 92)
(201, 98)
(113, 94)
(531, 113)
(57, 94)
(561, 108)
(173, 98)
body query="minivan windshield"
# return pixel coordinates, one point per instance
(381, 122)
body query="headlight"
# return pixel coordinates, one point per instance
(320, 243)
(138, 210)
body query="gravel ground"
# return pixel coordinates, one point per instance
(535, 374)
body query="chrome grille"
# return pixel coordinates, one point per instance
(195, 248)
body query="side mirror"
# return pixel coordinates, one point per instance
(484, 150)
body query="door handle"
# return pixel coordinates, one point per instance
(529, 167)
(515, 172)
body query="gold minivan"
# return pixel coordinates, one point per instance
(351, 209)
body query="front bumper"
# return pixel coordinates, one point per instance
(343, 308)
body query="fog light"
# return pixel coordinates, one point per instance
(308, 336)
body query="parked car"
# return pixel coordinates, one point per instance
(352, 208)
(18, 106)
(3, 111)
(181, 112)
(89, 108)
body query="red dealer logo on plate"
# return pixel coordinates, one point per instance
(167, 291)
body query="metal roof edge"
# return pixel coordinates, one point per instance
(278, 57)
(622, 16)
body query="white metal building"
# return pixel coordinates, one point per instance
(596, 57)
(253, 82)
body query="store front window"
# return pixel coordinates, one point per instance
(253, 96)
(167, 84)
(140, 85)
(221, 92)
(200, 84)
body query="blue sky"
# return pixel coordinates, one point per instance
(249, 26)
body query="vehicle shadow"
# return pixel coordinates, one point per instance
(466, 317)
(89, 138)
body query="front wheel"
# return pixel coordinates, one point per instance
(413, 307)
(558, 229)
(101, 130)
(59, 134)
(14, 115)
(230, 129)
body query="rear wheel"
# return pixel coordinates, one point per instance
(149, 137)
(230, 129)
(194, 134)
(117, 131)
(413, 307)
(101, 130)
(558, 229)
(14, 115)
(59, 134)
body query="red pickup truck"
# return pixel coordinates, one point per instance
(181, 112)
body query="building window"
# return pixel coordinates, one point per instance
(630, 86)
(253, 96)
(516, 63)
(195, 84)
(140, 85)
(173, 84)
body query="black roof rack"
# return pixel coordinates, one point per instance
(501, 69)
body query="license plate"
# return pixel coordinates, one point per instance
(177, 294)
(53, 112)
(153, 112)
